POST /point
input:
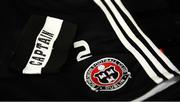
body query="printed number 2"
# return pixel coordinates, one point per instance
(85, 53)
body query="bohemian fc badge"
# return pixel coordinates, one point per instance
(107, 74)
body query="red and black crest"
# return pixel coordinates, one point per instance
(107, 74)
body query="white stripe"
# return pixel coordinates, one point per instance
(124, 41)
(52, 25)
(129, 32)
(159, 53)
(158, 89)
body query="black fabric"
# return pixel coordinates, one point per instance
(26, 43)
(159, 19)
(168, 94)
(8, 31)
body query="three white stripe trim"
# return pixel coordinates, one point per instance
(129, 32)
(159, 53)
(145, 50)
(137, 55)
(124, 41)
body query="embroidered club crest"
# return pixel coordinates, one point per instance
(107, 74)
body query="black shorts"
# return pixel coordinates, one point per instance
(101, 55)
